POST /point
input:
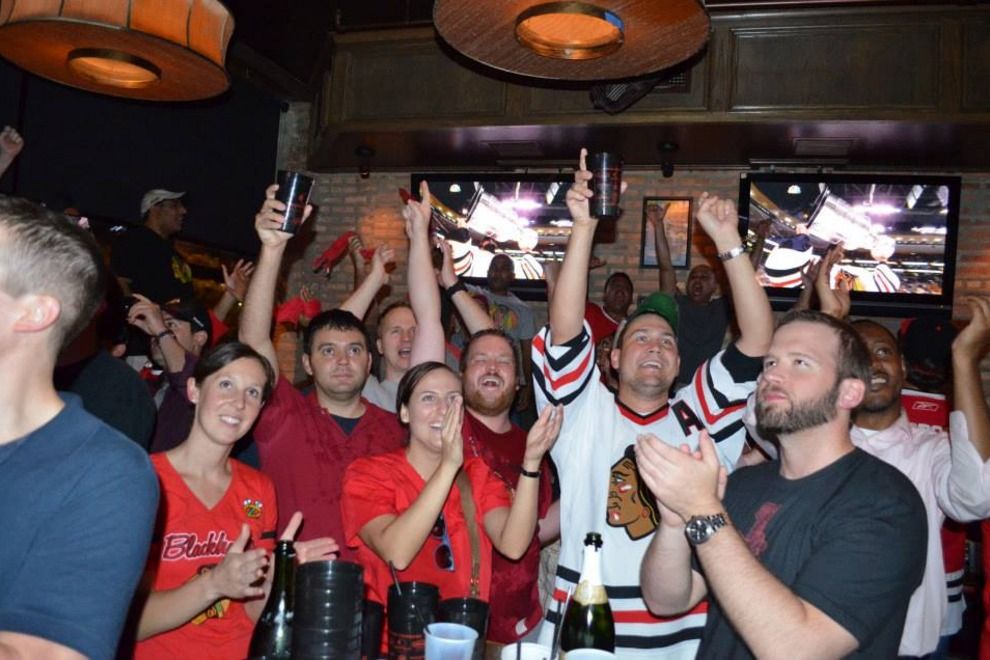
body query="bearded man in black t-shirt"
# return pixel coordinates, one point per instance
(817, 552)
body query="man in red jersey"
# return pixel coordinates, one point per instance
(307, 441)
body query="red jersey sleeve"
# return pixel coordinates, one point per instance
(368, 493)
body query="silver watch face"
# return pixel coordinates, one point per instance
(699, 530)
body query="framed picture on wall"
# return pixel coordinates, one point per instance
(674, 215)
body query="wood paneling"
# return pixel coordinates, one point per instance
(823, 67)
(976, 66)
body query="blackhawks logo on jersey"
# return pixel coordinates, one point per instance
(253, 508)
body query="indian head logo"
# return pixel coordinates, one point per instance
(253, 508)
(630, 502)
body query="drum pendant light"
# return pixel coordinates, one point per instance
(156, 50)
(584, 40)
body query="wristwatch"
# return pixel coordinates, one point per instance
(701, 528)
(731, 254)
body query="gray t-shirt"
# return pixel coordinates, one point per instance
(380, 392)
(511, 315)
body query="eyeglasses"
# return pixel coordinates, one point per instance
(443, 555)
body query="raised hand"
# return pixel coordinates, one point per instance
(834, 301)
(655, 215)
(11, 143)
(418, 214)
(720, 220)
(384, 257)
(238, 575)
(146, 315)
(973, 341)
(580, 192)
(320, 549)
(237, 279)
(452, 444)
(447, 277)
(268, 221)
(542, 436)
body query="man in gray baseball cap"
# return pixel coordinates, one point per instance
(144, 258)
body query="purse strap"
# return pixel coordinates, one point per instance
(471, 519)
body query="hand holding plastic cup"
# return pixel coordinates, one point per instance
(294, 189)
(450, 641)
(606, 184)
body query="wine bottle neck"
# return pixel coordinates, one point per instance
(284, 564)
(591, 571)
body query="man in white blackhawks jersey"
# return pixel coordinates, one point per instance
(600, 486)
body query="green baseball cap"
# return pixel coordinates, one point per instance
(659, 303)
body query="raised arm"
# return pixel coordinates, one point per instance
(968, 350)
(719, 219)
(147, 316)
(475, 317)
(11, 144)
(256, 317)
(567, 304)
(399, 538)
(360, 301)
(668, 279)
(424, 297)
(511, 529)
(235, 282)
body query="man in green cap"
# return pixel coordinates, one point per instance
(601, 489)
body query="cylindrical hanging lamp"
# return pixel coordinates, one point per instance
(157, 50)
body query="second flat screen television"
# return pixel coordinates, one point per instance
(897, 232)
(520, 215)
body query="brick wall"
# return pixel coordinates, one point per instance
(371, 207)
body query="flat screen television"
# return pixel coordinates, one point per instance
(898, 234)
(482, 215)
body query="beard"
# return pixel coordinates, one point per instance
(476, 402)
(802, 415)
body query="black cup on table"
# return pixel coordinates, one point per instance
(294, 189)
(328, 611)
(371, 631)
(408, 616)
(605, 184)
(470, 612)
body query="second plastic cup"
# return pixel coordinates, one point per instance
(294, 189)
(450, 641)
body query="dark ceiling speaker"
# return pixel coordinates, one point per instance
(613, 98)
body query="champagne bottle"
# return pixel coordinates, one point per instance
(272, 636)
(588, 622)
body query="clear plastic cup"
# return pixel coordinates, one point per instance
(450, 641)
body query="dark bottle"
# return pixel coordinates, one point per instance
(588, 622)
(272, 636)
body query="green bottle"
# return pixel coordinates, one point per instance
(272, 636)
(588, 622)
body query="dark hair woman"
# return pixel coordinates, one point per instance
(432, 513)
(206, 576)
